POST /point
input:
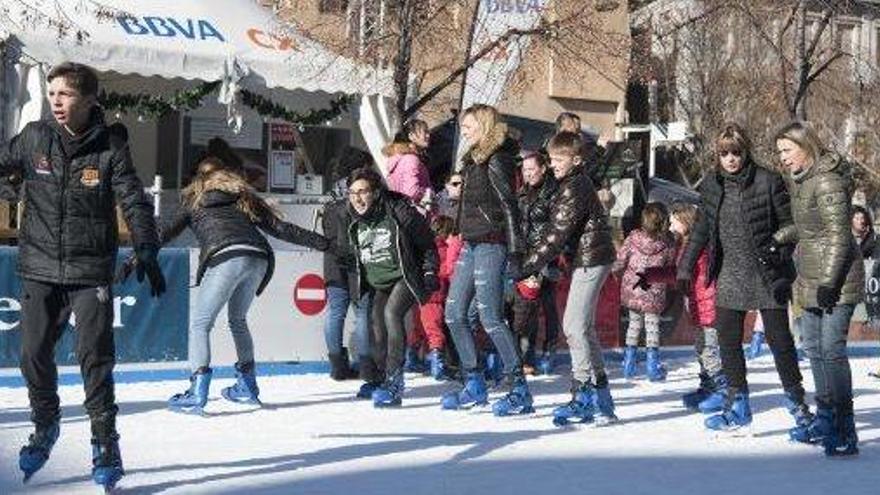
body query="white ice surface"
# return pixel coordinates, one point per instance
(312, 438)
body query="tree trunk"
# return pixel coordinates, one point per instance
(403, 60)
(798, 108)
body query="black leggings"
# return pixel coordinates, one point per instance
(389, 330)
(730, 337)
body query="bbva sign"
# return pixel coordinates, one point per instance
(169, 27)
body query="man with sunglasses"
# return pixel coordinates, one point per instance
(447, 200)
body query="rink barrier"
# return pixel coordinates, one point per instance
(11, 377)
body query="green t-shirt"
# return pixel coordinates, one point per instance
(377, 249)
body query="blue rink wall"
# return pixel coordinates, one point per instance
(150, 330)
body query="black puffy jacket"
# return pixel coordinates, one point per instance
(766, 208)
(71, 189)
(335, 220)
(218, 223)
(579, 225)
(488, 211)
(417, 252)
(535, 208)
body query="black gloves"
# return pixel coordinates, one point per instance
(431, 282)
(827, 297)
(771, 254)
(642, 281)
(148, 264)
(780, 289)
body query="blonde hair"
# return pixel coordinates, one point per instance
(486, 116)
(565, 142)
(805, 136)
(213, 175)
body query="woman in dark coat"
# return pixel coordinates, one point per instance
(235, 265)
(743, 205)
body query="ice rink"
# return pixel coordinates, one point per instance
(313, 438)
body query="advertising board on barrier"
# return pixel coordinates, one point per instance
(146, 329)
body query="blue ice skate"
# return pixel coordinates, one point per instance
(718, 398)
(494, 369)
(737, 415)
(193, 400)
(629, 361)
(438, 364)
(473, 393)
(366, 390)
(106, 463)
(390, 393)
(816, 431)
(580, 409)
(33, 456)
(412, 362)
(245, 390)
(546, 363)
(842, 440)
(654, 368)
(691, 400)
(799, 410)
(756, 346)
(517, 401)
(603, 406)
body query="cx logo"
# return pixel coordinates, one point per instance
(270, 41)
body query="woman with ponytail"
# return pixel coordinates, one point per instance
(228, 218)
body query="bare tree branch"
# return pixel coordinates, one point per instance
(820, 29)
(543, 29)
(824, 66)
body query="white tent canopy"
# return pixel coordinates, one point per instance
(233, 41)
(207, 40)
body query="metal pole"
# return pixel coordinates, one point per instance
(464, 76)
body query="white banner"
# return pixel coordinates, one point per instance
(487, 79)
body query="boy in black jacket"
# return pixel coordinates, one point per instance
(75, 169)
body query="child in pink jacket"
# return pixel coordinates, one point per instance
(407, 174)
(649, 246)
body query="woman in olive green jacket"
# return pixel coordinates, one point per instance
(830, 279)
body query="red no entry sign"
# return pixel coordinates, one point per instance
(309, 295)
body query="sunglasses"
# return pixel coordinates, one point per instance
(362, 193)
(455, 184)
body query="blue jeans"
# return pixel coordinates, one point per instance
(234, 283)
(479, 274)
(824, 337)
(338, 301)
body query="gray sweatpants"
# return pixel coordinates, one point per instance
(708, 351)
(579, 322)
(650, 322)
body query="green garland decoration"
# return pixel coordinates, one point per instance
(268, 108)
(150, 106)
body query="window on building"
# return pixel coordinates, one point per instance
(877, 47)
(843, 37)
(332, 6)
